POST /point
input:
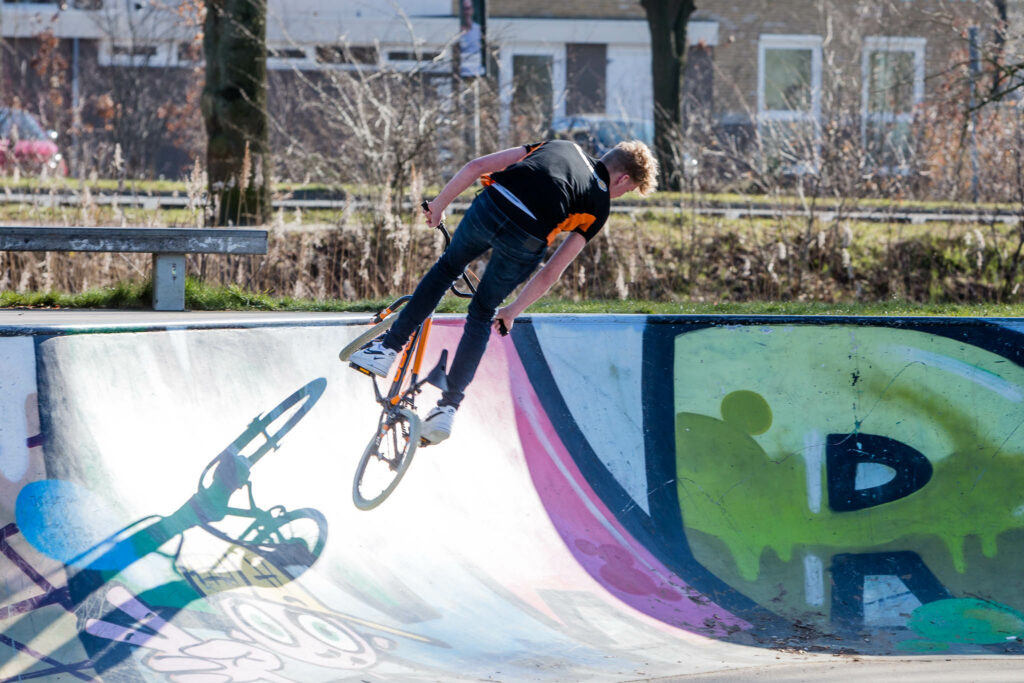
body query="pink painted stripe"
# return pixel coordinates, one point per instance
(596, 539)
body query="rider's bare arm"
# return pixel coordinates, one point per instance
(468, 175)
(542, 281)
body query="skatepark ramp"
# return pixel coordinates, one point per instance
(623, 498)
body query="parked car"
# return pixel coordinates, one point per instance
(597, 133)
(24, 143)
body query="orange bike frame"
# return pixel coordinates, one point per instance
(416, 347)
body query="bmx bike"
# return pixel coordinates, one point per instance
(389, 453)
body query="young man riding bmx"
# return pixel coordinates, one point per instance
(532, 193)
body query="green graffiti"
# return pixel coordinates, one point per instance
(747, 411)
(731, 488)
(756, 479)
(967, 620)
(923, 647)
(714, 481)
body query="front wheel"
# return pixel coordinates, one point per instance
(369, 335)
(386, 459)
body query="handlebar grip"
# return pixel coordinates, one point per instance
(501, 328)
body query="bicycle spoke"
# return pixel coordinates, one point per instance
(396, 449)
(385, 459)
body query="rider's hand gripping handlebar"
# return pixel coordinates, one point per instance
(425, 205)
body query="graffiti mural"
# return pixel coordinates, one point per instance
(136, 545)
(64, 522)
(207, 590)
(258, 625)
(689, 494)
(861, 439)
(856, 482)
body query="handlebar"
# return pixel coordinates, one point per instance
(447, 241)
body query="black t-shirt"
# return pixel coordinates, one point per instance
(565, 190)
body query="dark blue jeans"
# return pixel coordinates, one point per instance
(515, 254)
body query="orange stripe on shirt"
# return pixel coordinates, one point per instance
(575, 221)
(486, 180)
(530, 149)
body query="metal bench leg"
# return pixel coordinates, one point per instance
(168, 282)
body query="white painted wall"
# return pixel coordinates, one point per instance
(313, 29)
(361, 21)
(627, 42)
(394, 24)
(303, 20)
(629, 92)
(368, 9)
(28, 20)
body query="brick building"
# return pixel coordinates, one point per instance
(789, 68)
(780, 68)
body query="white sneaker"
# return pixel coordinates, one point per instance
(437, 425)
(375, 358)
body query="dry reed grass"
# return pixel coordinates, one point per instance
(644, 255)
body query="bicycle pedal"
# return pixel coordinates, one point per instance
(362, 370)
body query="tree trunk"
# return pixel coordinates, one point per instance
(667, 21)
(235, 110)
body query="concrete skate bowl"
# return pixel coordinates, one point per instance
(623, 498)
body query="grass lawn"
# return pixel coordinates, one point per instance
(201, 297)
(143, 187)
(661, 249)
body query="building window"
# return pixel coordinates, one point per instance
(286, 53)
(190, 52)
(144, 52)
(410, 56)
(698, 86)
(160, 54)
(586, 66)
(532, 95)
(789, 101)
(893, 86)
(347, 54)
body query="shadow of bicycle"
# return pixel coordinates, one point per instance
(246, 546)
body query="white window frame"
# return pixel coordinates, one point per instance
(426, 66)
(915, 46)
(306, 62)
(166, 54)
(768, 41)
(780, 41)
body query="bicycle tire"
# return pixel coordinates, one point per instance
(370, 334)
(373, 453)
(285, 549)
(275, 545)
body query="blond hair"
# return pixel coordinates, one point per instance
(635, 159)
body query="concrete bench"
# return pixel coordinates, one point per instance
(168, 246)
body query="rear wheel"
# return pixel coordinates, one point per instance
(386, 459)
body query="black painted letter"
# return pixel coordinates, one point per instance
(845, 452)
